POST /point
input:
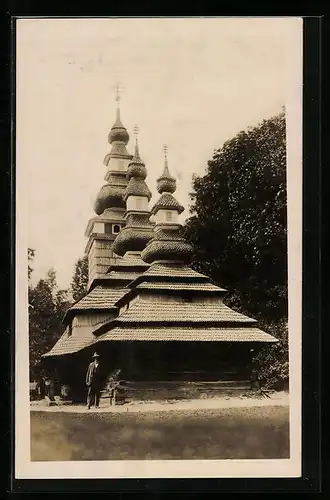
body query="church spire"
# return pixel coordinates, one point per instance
(167, 244)
(138, 230)
(136, 175)
(136, 158)
(118, 132)
(111, 194)
(166, 183)
(118, 101)
(109, 204)
(166, 186)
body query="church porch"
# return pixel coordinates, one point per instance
(160, 370)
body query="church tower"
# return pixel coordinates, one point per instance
(168, 244)
(138, 231)
(110, 205)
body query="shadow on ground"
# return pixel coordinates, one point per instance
(227, 433)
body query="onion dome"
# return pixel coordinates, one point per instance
(118, 133)
(109, 197)
(138, 230)
(166, 183)
(137, 173)
(111, 194)
(136, 168)
(118, 137)
(132, 239)
(168, 243)
(135, 235)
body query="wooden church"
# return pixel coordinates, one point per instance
(148, 314)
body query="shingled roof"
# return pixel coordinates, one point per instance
(179, 313)
(180, 286)
(108, 290)
(186, 334)
(166, 202)
(129, 263)
(98, 299)
(191, 308)
(170, 273)
(69, 344)
(122, 276)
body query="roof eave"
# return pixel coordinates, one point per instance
(105, 327)
(170, 279)
(69, 315)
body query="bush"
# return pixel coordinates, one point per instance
(272, 362)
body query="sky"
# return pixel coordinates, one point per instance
(189, 83)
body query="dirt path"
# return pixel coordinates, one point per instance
(223, 433)
(274, 399)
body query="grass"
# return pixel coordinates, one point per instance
(227, 433)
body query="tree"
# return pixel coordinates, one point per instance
(80, 279)
(31, 254)
(47, 305)
(238, 226)
(238, 223)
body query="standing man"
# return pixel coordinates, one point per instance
(94, 382)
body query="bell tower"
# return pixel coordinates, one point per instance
(110, 205)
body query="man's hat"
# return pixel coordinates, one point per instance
(95, 355)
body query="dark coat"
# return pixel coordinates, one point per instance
(93, 375)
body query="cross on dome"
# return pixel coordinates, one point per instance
(136, 157)
(166, 183)
(136, 131)
(118, 91)
(118, 132)
(165, 149)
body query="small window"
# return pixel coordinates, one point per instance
(107, 228)
(169, 216)
(116, 228)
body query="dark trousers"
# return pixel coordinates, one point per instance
(112, 397)
(93, 396)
